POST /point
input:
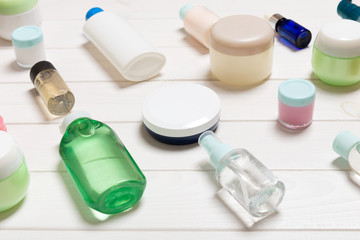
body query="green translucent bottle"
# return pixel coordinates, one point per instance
(104, 172)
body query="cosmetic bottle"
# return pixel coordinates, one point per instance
(14, 176)
(240, 46)
(102, 169)
(347, 10)
(28, 44)
(296, 103)
(347, 146)
(336, 53)
(17, 13)
(198, 21)
(131, 55)
(54, 92)
(293, 32)
(251, 184)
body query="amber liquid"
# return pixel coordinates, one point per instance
(54, 92)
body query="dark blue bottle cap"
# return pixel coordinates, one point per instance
(348, 10)
(92, 12)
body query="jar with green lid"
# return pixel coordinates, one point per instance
(17, 13)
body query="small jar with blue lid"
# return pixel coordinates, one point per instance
(28, 45)
(296, 103)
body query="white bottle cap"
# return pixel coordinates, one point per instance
(72, 117)
(11, 157)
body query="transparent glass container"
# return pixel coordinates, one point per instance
(251, 184)
(52, 89)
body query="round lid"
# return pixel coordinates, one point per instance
(92, 12)
(340, 38)
(26, 36)
(296, 92)
(12, 7)
(11, 156)
(181, 110)
(344, 142)
(38, 67)
(241, 35)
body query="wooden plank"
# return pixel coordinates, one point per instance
(122, 101)
(277, 149)
(177, 235)
(187, 201)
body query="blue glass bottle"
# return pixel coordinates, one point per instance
(291, 31)
(348, 10)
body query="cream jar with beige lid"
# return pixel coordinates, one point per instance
(241, 46)
(241, 50)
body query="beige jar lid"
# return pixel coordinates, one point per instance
(241, 35)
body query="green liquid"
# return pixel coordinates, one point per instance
(104, 172)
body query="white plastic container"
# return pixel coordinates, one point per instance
(17, 13)
(28, 45)
(134, 58)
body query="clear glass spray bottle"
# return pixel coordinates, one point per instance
(52, 89)
(252, 185)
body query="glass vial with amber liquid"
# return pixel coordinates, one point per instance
(52, 89)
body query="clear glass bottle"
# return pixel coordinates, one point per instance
(252, 185)
(104, 172)
(52, 89)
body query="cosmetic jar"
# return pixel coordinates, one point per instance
(336, 53)
(178, 113)
(241, 50)
(296, 103)
(14, 176)
(17, 13)
(28, 44)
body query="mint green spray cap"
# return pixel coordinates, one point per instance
(184, 10)
(26, 36)
(344, 142)
(216, 149)
(12, 7)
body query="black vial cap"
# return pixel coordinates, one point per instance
(38, 67)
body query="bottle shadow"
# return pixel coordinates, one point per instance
(6, 214)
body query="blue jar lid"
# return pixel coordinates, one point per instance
(296, 92)
(92, 12)
(26, 36)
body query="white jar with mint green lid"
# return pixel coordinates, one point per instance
(28, 45)
(17, 13)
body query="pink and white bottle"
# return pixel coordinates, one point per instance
(296, 103)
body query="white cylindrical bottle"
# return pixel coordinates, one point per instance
(134, 58)
(14, 14)
(28, 45)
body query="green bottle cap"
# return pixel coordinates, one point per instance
(12, 7)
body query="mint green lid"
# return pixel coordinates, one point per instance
(184, 10)
(296, 92)
(12, 7)
(344, 142)
(215, 148)
(26, 36)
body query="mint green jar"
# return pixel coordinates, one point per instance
(14, 176)
(336, 53)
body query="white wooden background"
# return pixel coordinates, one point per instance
(181, 200)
